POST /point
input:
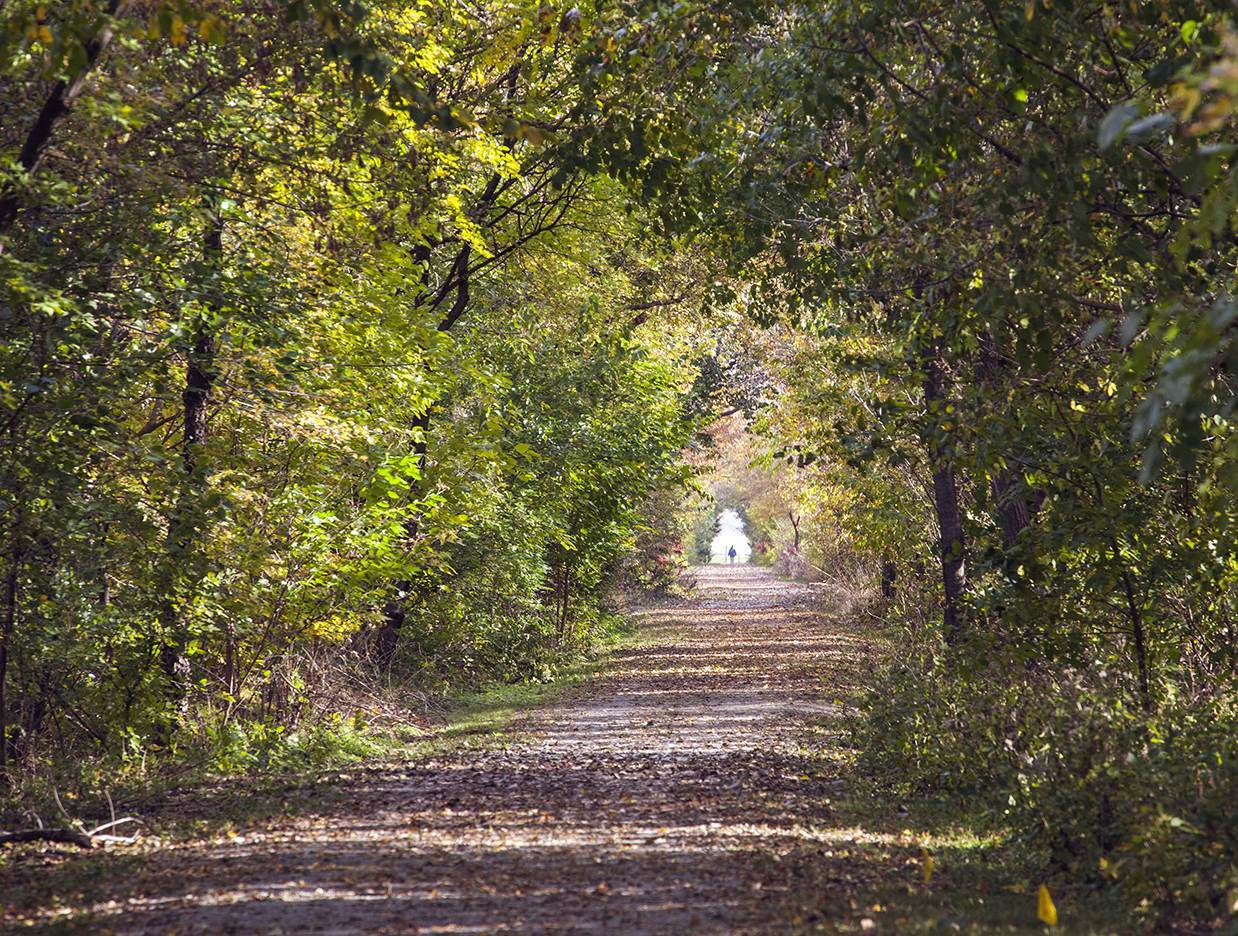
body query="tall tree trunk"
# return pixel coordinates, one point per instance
(59, 102)
(566, 579)
(8, 618)
(1014, 513)
(1135, 615)
(945, 502)
(184, 528)
(395, 611)
(1140, 641)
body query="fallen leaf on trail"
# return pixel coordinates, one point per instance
(1046, 912)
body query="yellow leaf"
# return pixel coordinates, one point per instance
(1046, 913)
(928, 867)
(45, 35)
(1030, 10)
(177, 33)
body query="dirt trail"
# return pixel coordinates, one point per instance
(674, 793)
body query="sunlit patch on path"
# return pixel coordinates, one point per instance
(672, 794)
(730, 535)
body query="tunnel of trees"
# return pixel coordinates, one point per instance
(349, 345)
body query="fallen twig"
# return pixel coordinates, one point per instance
(113, 824)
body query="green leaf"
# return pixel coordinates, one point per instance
(1115, 124)
(1146, 128)
(1095, 331)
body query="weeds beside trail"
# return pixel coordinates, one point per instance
(698, 782)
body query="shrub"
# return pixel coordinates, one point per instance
(1095, 789)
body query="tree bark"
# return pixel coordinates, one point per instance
(1014, 514)
(1138, 636)
(564, 611)
(395, 611)
(61, 100)
(946, 504)
(889, 578)
(8, 618)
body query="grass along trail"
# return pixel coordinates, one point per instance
(696, 784)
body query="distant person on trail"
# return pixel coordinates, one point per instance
(731, 554)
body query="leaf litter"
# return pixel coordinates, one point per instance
(686, 788)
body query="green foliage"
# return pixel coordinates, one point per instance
(1105, 797)
(704, 529)
(316, 343)
(657, 560)
(252, 747)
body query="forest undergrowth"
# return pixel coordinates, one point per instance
(349, 716)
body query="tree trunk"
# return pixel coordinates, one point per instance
(230, 662)
(1140, 641)
(889, 578)
(1014, 514)
(61, 100)
(387, 638)
(1138, 637)
(395, 611)
(8, 618)
(567, 597)
(946, 504)
(184, 527)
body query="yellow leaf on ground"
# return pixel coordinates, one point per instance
(1045, 911)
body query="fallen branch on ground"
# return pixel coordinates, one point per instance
(82, 839)
(69, 836)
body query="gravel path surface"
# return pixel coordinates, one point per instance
(674, 793)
